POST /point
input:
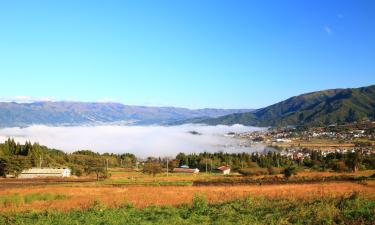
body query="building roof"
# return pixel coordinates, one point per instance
(223, 168)
(185, 170)
(44, 171)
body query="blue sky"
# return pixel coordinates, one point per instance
(227, 54)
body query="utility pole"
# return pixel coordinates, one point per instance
(40, 161)
(107, 165)
(206, 165)
(167, 166)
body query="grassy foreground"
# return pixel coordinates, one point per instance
(345, 210)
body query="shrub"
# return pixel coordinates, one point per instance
(200, 205)
(253, 171)
(340, 166)
(289, 171)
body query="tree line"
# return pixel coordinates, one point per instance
(15, 157)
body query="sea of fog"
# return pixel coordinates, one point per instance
(142, 141)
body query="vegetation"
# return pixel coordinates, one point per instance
(345, 210)
(289, 171)
(273, 162)
(16, 199)
(96, 166)
(15, 157)
(317, 108)
(152, 167)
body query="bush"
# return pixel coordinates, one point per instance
(200, 205)
(340, 166)
(253, 171)
(289, 171)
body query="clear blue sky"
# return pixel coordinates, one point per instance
(230, 54)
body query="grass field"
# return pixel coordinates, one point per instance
(143, 190)
(173, 196)
(345, 210)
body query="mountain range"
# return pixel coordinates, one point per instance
(14, 114)
(316, 108)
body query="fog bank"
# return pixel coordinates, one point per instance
(140, 140)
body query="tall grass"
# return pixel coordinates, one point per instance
(16, 199)
(345, 210)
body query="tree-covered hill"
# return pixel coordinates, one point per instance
(316, 108)
(14, 157)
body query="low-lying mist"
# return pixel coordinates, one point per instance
(142, 141)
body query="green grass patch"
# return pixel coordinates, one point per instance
(147, 183)
(17, 199)
(10, 200)
(349, 210)
(42, 197)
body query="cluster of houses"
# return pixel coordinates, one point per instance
(297, 153)
(333, 132)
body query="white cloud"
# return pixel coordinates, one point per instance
(142, 141)
(107, 100)
(328, 30)
(25, 99)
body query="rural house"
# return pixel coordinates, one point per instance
(45, 172)
(223, 169)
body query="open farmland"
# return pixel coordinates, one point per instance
(101, 202)
(143, 190)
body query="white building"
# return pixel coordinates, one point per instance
(224, 170)
(45, 172)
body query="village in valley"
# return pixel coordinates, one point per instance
(298, 142)
(192, 112)
(311, 148)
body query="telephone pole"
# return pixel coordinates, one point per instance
(206, 164)
(167, 166)
(40, 161)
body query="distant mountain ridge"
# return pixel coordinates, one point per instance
(315, 108)
(14, 114)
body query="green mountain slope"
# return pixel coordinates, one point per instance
(316, 108)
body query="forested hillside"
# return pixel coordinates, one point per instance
(316, 108)
(15, 157)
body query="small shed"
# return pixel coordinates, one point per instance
(45, 172)
(223, 169)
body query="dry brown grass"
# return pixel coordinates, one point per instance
(82, 197)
